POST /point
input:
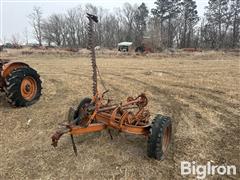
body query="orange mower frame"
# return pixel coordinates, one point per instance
(114, 116)
(99, 113)
(130, 117)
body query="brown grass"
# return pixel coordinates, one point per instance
(202, 97)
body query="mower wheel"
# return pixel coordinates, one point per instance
(23, 87)
(159, 137)
(81, 109)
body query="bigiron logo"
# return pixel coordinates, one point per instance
(202, 171)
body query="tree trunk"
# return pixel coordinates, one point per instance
(169, 34)
(184, 33)
(235, 35)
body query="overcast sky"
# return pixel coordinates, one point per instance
(14, 12)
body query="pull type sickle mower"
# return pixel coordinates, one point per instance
(98, 113)
(21, 83)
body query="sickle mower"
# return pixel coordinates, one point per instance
(98, 113)
(21, 83)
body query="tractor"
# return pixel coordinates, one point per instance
(20, 82)
(97, 113)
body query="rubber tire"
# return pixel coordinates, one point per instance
(13, 84)
(154, 146)
(82, 103)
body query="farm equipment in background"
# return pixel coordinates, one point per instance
(192, 50)
(125, 46)
(21, 83)
(99, 113)
(145, 46)
(143, 49)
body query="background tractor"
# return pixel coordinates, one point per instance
(21, 83)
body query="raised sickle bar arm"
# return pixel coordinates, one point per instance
(91, 46)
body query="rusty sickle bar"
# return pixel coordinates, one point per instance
(91, 46)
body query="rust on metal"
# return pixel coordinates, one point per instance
(91, 128)
(91, 46)
(28, 88)
(131, 116)
(7, 68)
(20, 82)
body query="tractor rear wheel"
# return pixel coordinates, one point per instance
(159, 137)
(23, 87)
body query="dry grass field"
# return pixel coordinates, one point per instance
(199, 92)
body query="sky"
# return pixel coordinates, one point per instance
(14, 21)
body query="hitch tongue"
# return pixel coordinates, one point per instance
(58, 134)
(66, 127)
(55, 138)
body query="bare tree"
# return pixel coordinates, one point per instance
(15, 39)
(56, 22)
(110, 31)
(25, 34)
(166, 11)
(81, 27)
(47, 32)
(129, 12)
(167, 26)
(189, 19)
(218, 16)
(154, 31)
(36, 21)
(141, 16)
(235, 10)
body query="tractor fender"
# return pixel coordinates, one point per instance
(10, 66)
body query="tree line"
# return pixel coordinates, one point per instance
(170, 24)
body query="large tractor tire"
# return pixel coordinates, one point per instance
(23, 87)
(159, 137)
